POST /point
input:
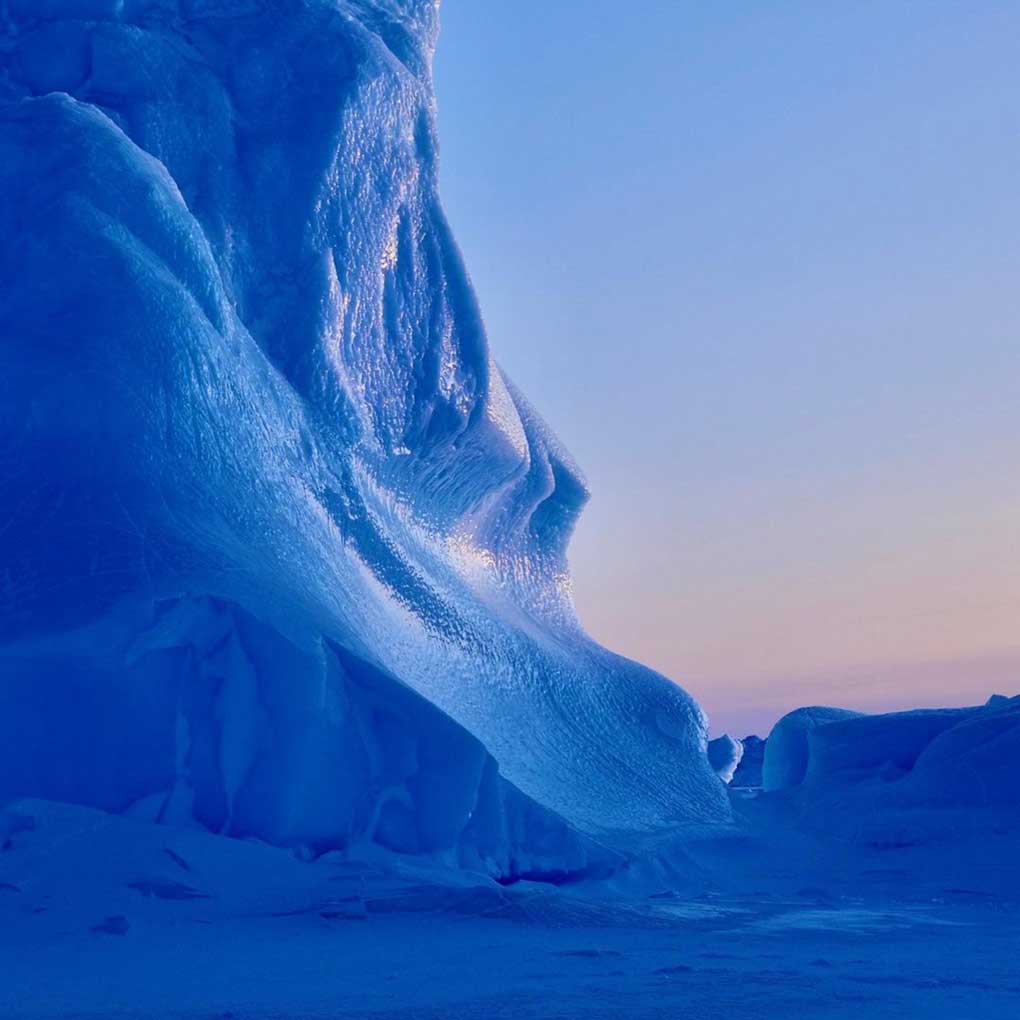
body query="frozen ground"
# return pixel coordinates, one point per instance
(105, 917)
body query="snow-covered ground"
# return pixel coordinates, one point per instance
(104, 917)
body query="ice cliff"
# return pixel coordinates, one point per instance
(282, 550)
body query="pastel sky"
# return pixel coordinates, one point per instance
(758, 266)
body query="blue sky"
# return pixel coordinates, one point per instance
(757, 265)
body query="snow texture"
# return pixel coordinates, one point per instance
(106, 916)
(282, 548)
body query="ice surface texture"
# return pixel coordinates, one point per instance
(252, 433)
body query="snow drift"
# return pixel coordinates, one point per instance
(252, 433)
(210, 716)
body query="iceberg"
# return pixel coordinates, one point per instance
(283, 550)
(900, 778)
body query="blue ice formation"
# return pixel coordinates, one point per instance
(724, 755)
(749, 768)
(926, 772)
(787, 748)
(282, 550)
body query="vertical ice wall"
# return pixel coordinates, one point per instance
(243, 362)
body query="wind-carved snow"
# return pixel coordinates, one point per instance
(248, 401)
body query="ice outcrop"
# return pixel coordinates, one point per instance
(748, 773)
(974, 762)
(787, 749)
(246, 381)
(225, 722)
(900, 777)
(724, 754)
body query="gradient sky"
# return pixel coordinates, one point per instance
(758, 266)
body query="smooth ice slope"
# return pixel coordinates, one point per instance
(243, 367)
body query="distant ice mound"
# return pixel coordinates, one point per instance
(787, 753)
(914, 773)
(749, 769)
(252, 432)
(724, 755)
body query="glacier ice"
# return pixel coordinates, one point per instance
(252, 433)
